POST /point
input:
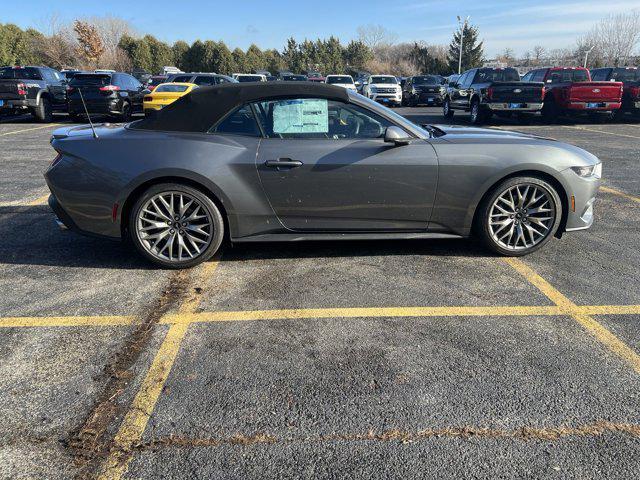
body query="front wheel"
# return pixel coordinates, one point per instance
(176, 226)
(519, 216)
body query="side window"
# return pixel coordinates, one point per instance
(313, 118)
(182, 79)
(205, 80)
(134, 83)
(527, 77)
(539, 75)
(240, 122)
(116, 80)
(47, 75)
(469, 80)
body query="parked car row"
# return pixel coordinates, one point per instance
(551, 92)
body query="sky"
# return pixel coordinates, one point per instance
(518, 25)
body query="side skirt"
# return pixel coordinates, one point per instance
(302, 237)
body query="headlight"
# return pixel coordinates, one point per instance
(589, 171)
(414, 91)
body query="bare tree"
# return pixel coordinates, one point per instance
(374, 36)
(58, 46)
(616, 37)
(538, 54)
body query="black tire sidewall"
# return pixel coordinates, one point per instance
(43, 111)
(205, 201)
(482, 228)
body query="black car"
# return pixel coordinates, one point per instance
(200, 79)
(294, 78)
(35, 90)
(630, 78)
(113, 94)
(423, 89)
(485, 91)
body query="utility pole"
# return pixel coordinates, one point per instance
(586, 55)
(462, 29)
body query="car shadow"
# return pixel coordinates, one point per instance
(32, 238)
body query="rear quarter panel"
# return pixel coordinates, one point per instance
(95, 174)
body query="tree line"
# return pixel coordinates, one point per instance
(111, 42)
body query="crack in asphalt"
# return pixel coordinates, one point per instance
(93, 440)
(525, 433)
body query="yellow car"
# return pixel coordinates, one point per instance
(165, 94)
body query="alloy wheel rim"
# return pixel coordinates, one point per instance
(521, 217)
(474, 112)
(174, 226)
(446, 107)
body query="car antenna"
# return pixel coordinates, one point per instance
(93, 129)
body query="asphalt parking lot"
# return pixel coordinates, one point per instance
(407, 359)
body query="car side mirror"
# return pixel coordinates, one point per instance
(397, 136)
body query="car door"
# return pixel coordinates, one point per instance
(324, 166)
(56, 86)
(464, 91)
(454, 93)
(136, 94)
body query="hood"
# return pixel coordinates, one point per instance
(459, 131)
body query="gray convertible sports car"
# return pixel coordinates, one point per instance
(301, 161)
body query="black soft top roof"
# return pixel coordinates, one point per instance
(205, 106)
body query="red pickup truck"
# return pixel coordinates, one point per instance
(569, 90)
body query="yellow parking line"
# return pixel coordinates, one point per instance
(310, 313)
(42, 200)
(307, 313)
(592, 326)
(136, 419)
(33, 128)
(599, 131)
(94, 321)
(620, 194)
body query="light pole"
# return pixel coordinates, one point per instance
(462, 29)
(586, 56)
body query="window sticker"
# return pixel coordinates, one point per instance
(301, 116)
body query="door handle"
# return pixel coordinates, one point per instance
(283, 162)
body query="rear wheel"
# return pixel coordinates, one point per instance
(519, 216)
(476, 114)
(550, 112)
(125, 116)
(446, 109)
(176, 226)
(43, 112)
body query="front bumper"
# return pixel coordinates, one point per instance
(426, 98)
(581, 197)
(386, 98)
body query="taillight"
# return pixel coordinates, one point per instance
(634, 91)
(148, 99)
(70, 89)
(22, 89)
(110, 88)
(490, 93)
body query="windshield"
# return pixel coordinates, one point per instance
(428, 80)
(626, 74)
(340, 79)
(395, 116)
(82, 79)
(567, 76)
(24, 73)
(393, 80)
(497, 75)
(167, 87)
(249, 78)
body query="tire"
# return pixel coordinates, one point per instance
(125, 115)
(550, 112)
(499, 235)
(187, 241)
(476, 115)
(43, 111)
(447, 112)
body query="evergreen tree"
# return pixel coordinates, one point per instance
(357, 55)
(254, 59)
(472, 50)
(427, 63)
(179, 52)
(195, 57)
(239, 61)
